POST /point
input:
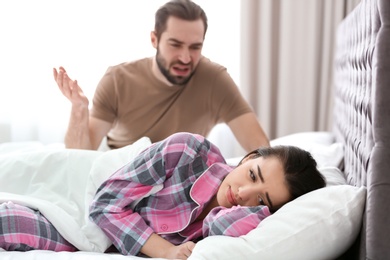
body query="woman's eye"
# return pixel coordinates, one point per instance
(252, 175)
(261, 201)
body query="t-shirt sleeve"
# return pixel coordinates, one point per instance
(235, 221)
(104, 102)
(227, 99)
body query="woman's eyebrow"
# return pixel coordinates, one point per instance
(259, 173)
(262, 179)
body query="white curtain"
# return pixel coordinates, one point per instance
(85, 37)
(286, 61)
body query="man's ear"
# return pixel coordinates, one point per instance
(153, 39)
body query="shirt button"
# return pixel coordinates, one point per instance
(164, 227)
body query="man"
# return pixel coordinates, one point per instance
(177, 90)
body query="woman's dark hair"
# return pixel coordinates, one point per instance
(183, 9)
(301, 173)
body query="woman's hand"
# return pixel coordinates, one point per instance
(182, 251)
(158, 247)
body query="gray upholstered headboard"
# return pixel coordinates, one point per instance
(362, 118)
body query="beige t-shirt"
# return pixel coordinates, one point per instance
(138, 104)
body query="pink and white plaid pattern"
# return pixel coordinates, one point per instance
(23, 229)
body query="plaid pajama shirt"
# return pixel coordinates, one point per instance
(186, 170)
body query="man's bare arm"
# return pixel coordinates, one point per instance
(248, 132)
(83, 132)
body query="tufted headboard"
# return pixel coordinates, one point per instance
(362, 118)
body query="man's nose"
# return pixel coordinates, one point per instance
(185, 56)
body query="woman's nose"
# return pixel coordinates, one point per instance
(246, 193)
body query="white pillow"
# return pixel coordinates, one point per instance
(320, 144)
(322, 224)
(302, 138)
(333, 176)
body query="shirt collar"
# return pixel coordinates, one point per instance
(207, 185)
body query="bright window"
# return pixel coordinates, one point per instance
(84, 36)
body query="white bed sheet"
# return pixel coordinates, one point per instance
(49, 255)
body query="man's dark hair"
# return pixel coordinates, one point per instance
(182, 9)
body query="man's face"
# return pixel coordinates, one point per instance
(179, 49)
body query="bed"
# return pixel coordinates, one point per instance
(348, 219)
(362, 113)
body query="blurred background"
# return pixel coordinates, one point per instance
(279, 52)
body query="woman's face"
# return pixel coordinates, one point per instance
(258, 181)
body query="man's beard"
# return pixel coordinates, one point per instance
(176, 80)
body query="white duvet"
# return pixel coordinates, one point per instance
(61, 184)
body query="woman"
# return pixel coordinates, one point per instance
(173, 194)
(181, 189)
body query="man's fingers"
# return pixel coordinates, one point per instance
(62, 69)
(75, 87)
(55, 74)
(59, 77)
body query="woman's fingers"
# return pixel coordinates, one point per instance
(187, 249)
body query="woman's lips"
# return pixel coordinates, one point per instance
(230, 197)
